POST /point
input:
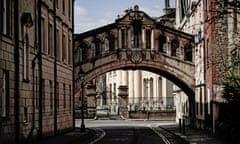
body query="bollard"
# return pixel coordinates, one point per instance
(180, 125)
(183, 127)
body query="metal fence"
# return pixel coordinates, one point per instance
(150, 104)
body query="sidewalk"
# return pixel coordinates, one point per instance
(193, 136)
(71, 137)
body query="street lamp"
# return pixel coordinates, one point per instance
(82, 109)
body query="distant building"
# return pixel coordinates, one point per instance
(35, 69)
(146, 90)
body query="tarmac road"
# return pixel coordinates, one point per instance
(129, 135)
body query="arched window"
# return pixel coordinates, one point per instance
(188, 52)
(110, 93)
(145, 90)
(26, 58)
(175, 48)
(124, 37)
(136, 33)
(111, 42)
(93, 48)
(83, 52)
(151, 87)
(106, 44)
(96, 48)
(80, 59)
(160, 87)
(162, 44)
(114, 92)
(148, 38)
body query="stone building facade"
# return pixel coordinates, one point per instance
(222, 33)
(35, 68)
(190, 19)
(147, 91)
(200, 18)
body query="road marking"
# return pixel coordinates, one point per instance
(103, 133)
(165, 140)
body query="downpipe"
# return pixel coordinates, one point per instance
(33, 100)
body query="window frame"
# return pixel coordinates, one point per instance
(43, 35)
(148, 38)
(5, 21)
(64, 47)
(26, 51)
(5, 94)
(162, 40)
(64, 96)
(124, 37)
(69, 57)
(50, 50)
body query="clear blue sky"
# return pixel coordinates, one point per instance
(91, 14)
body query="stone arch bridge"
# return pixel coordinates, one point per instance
(135, 41)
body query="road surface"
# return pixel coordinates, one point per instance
(129, 131)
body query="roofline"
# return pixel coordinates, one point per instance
(171, 30)
(95, 31)
(151, 18)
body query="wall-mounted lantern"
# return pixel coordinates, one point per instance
(26, 19)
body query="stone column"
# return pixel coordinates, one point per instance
(136, 86)
(131, 86)
(143, 39)
(120, 38)
(152, 39)
(130, 40)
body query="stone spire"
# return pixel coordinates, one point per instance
(167, 5)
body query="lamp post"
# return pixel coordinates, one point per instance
(82, 109)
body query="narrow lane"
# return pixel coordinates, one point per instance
(130, 135)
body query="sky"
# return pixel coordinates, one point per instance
(91, 14)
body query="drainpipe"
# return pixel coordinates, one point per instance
(40, 68)
(55, 68)
(16, 74)
(33, 72)
(205, 82)
(73, 65)
(33, 100)
(33, 75)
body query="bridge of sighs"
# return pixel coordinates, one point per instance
(135, 41)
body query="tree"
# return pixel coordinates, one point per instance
(227, 56)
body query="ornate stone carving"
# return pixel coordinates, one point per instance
(135, 56)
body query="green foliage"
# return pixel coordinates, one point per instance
(227, 56)
(231, 88)
(225, 7)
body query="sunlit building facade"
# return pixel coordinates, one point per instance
(146, 90)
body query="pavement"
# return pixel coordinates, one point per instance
(192, 135)
(91, 135)
(72, 137)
